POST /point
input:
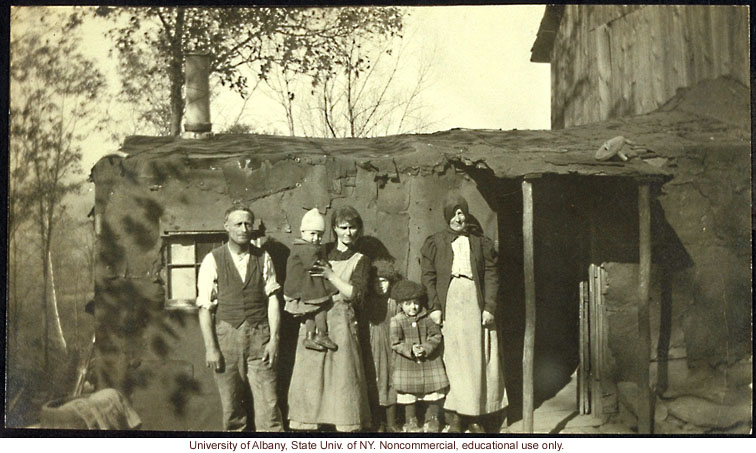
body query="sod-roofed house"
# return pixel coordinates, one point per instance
(644, 244)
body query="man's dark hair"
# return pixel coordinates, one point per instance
(238, 207)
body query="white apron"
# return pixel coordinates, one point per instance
(471, 351)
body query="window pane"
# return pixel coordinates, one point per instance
(182, 251)
(183, 283)
(204, 246)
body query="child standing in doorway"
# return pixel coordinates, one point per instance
(306, 296)
(419, 373)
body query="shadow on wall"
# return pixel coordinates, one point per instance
(134, 332)
(279, 254)
(669, 253)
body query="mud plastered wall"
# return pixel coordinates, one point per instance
(694, 399)
(708, 206)
(157, 355)
(701, 301)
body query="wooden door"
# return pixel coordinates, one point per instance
(596, 390)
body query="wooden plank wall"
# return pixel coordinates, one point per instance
(653, 51)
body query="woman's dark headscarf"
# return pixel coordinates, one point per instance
(453, 201)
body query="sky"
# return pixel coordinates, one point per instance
(481, 77)
(489, 81)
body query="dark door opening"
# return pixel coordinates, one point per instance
(578, 220)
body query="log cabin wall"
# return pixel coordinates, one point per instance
(613, 61)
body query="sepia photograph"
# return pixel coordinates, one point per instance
(447, 222)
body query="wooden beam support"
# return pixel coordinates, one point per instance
(528, 349)
(644, 328)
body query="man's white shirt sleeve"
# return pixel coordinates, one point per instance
(269, 275)
(205, 281)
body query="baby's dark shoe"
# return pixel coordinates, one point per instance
(432, 425)
(324, 340)
(310, 343)
(411, 426)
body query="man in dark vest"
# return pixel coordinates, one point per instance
(237, 284)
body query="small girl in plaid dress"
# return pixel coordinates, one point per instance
(418, 367)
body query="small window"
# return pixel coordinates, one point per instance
(184, 252)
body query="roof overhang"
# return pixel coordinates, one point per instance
(656, 140)
(541, 50)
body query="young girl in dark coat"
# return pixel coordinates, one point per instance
(418, 367)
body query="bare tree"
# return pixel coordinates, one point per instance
(143, 102)
(372, 91)
(19, 208)
(283, 81)
(53, 89)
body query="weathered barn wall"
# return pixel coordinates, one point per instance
(156, 355)
(613, 61)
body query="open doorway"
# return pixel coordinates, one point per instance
(578, 220)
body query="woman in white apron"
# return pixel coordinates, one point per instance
(329, 387)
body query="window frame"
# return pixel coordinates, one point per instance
(213, 237)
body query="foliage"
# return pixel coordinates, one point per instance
(54, 89)
(238, 128)
(148, 98)
(151, 43)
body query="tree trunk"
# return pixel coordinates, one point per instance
(15, 317)
(79, 296)
(645, 406)
(350, 105)
(60, 339)
(290, 109)
(176, 74)
(45, 277)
